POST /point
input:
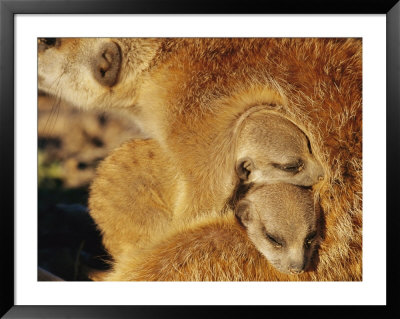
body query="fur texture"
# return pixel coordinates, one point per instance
(133, 196)
(210, 249)
(132, 201)
(190, 91)
(139, 190)
(317, 82)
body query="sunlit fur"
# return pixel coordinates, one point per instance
(188, 94)
(134, 195)
(209, 249)
(283, 223)
(133, 201)
(138, 188)
(66, 71)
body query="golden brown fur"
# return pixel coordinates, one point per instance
(133, 202)
(283, 223)
(203, 83)
(192, 90)
(210, 249)
(133, 196)
(139, 192)
(280, 221)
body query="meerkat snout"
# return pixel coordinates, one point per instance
(106, 64)
(281, 220)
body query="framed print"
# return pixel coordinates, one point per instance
(264, 130)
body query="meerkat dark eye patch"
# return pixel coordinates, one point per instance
(310, 238)
(309, 145)
(312, 235)
(47, 43)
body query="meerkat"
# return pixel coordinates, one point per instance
(282, 221)
(138, 191)
(185, 93)
(278, 222)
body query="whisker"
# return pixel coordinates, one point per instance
(51, 120)
(46, 131)
(57, 112)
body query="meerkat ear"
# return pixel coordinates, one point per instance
(244, 167)
(106, 65)
(242, 212)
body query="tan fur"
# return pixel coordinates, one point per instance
(133, 196)
(66, 71)
(283, 223)
(132, 201)
(281, 210)
(188, 91)
(211, 249)
(136, 196)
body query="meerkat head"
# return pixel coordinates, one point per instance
(281, 220)
(93, 72)
(271, 149)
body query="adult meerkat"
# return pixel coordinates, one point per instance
(277, 231)
(182, 89)
(138, 190)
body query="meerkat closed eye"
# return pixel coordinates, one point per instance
(282, 222)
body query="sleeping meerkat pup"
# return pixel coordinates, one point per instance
(281, 220)
(277, 226)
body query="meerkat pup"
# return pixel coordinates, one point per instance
(276, 227)
(281, 221)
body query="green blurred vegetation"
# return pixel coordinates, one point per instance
(50, 173)
(69, 245)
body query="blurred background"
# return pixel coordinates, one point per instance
(71, 143)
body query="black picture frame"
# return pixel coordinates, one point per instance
(9, 8)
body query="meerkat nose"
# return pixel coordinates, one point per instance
(296, 268)
(295, 271)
